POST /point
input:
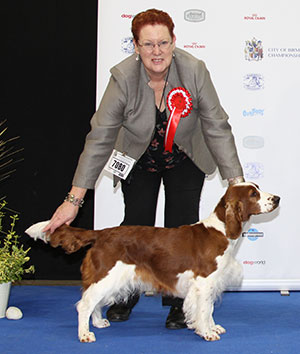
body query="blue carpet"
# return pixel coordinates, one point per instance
(256, 322)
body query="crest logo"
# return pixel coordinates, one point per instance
(127, 45)
(254, 170)
(253, 82)
(254, 50)
(194, 15)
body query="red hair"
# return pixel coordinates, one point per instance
(151, 17)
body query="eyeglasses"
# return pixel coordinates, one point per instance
(149, 46)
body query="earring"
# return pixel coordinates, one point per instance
(137, 58)
(173, 55)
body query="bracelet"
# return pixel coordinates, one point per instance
(73, 200)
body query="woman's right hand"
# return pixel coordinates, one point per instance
(64, 214)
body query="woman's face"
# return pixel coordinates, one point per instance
(156, 59)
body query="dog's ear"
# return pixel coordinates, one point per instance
(233, 219)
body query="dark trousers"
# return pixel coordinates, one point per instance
(182, 186)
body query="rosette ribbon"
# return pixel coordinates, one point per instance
(179, 102)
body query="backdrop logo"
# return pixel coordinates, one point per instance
(253, 142)
(254, 170)
(253, 234)
(128, 16)
(252, 263)
(254, 50)
(253, 82)
(194, 45)
(254, 17)
(127, 45)
(253, 112)
(194, 15)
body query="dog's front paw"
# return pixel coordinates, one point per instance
(209, 336)
(219, 329)
(101, 323)
(87, 337)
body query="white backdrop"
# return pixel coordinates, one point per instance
(252, 50)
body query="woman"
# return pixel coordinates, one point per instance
(132, 118)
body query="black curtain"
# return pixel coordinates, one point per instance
(48, 84)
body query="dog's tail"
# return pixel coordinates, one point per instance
(71, 239)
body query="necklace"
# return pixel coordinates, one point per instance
(165, 85)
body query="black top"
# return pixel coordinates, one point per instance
(155, 158)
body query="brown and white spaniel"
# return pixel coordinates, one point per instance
(195, 262)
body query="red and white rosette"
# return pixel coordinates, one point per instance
(179, 102)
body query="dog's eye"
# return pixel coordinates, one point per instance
(254, 194)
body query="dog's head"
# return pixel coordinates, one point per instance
(243, 200)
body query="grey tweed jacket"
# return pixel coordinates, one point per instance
(125, 120)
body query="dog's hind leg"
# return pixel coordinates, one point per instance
(98, 320)
(93, 298)
(85, 307)
(120, 279)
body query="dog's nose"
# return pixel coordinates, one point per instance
(276, 199)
